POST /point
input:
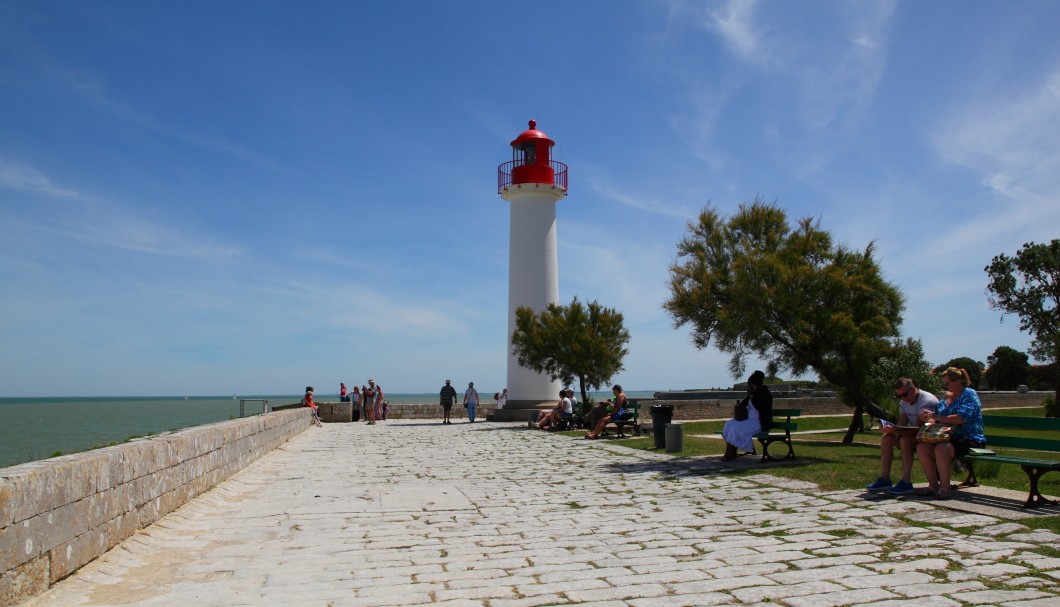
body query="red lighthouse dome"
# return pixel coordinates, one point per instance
(532, 162)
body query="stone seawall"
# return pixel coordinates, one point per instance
(56, 515)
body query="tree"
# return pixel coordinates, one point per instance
(905, 360)
(1008, 368)
(972, 366)
(586, 342)
(756, 286)
(1028, 285)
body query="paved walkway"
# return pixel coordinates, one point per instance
(493, 515)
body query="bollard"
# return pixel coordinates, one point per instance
(675, 438)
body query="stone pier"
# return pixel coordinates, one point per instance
(416, 513)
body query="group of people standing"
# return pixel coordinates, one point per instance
(959, 409)
(367, 400)
(447, 397)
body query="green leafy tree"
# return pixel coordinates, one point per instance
(1008, 369)
(1028, 285)
(753, 285)
(583, 342)
(906, 359)
(972, 366)
(1041, 377)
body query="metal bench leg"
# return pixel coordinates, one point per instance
(970, 480)
(1035, 499)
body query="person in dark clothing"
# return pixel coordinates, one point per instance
(446, 398)
(739, 433)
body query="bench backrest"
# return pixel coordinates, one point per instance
(633, 406)
(1022, 423)
(1026, 423)
(787, 425)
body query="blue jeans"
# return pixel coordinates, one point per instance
(471, 411)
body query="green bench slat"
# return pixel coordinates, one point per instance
(1020, 461)
(1021, 442)
(1026, 423)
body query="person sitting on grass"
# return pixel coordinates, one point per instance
(911, 402)
(617, 411)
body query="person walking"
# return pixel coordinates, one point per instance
(446, 398)
(471, 401)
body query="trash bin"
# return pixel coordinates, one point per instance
(675, 438)
(660, 416)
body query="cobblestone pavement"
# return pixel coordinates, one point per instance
(494, 515)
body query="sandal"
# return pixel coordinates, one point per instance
(926, 492)
(943, 494)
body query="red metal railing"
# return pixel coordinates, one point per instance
(504, 173)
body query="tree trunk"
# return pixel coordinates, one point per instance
(1056, 386)
(863, 405)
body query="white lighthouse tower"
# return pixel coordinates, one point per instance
(532, 183)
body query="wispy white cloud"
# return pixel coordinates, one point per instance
(734, 21)
(18, 176)
(599, 181)
(1011, 144)
(101, 222)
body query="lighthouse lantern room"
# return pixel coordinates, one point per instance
(532, 162)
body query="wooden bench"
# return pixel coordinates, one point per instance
(779, 432)
(632, 420)
(1033, 467)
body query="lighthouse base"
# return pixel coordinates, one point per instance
(519, 411)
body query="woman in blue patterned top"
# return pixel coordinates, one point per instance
(961, 410)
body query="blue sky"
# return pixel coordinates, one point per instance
(218, 197)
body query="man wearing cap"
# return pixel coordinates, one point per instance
(471, 401)
(446, 398)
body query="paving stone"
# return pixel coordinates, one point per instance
(1000, 596)
(845, 597)
(927, 601)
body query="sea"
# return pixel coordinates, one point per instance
(38, 428)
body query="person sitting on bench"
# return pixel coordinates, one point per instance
(617, 412)
(911, 402)
(550, 418)
(739, 433)
(962, 410)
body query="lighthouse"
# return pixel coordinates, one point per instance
(531, 182)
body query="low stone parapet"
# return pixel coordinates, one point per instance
(58, 514)
(335, 412)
